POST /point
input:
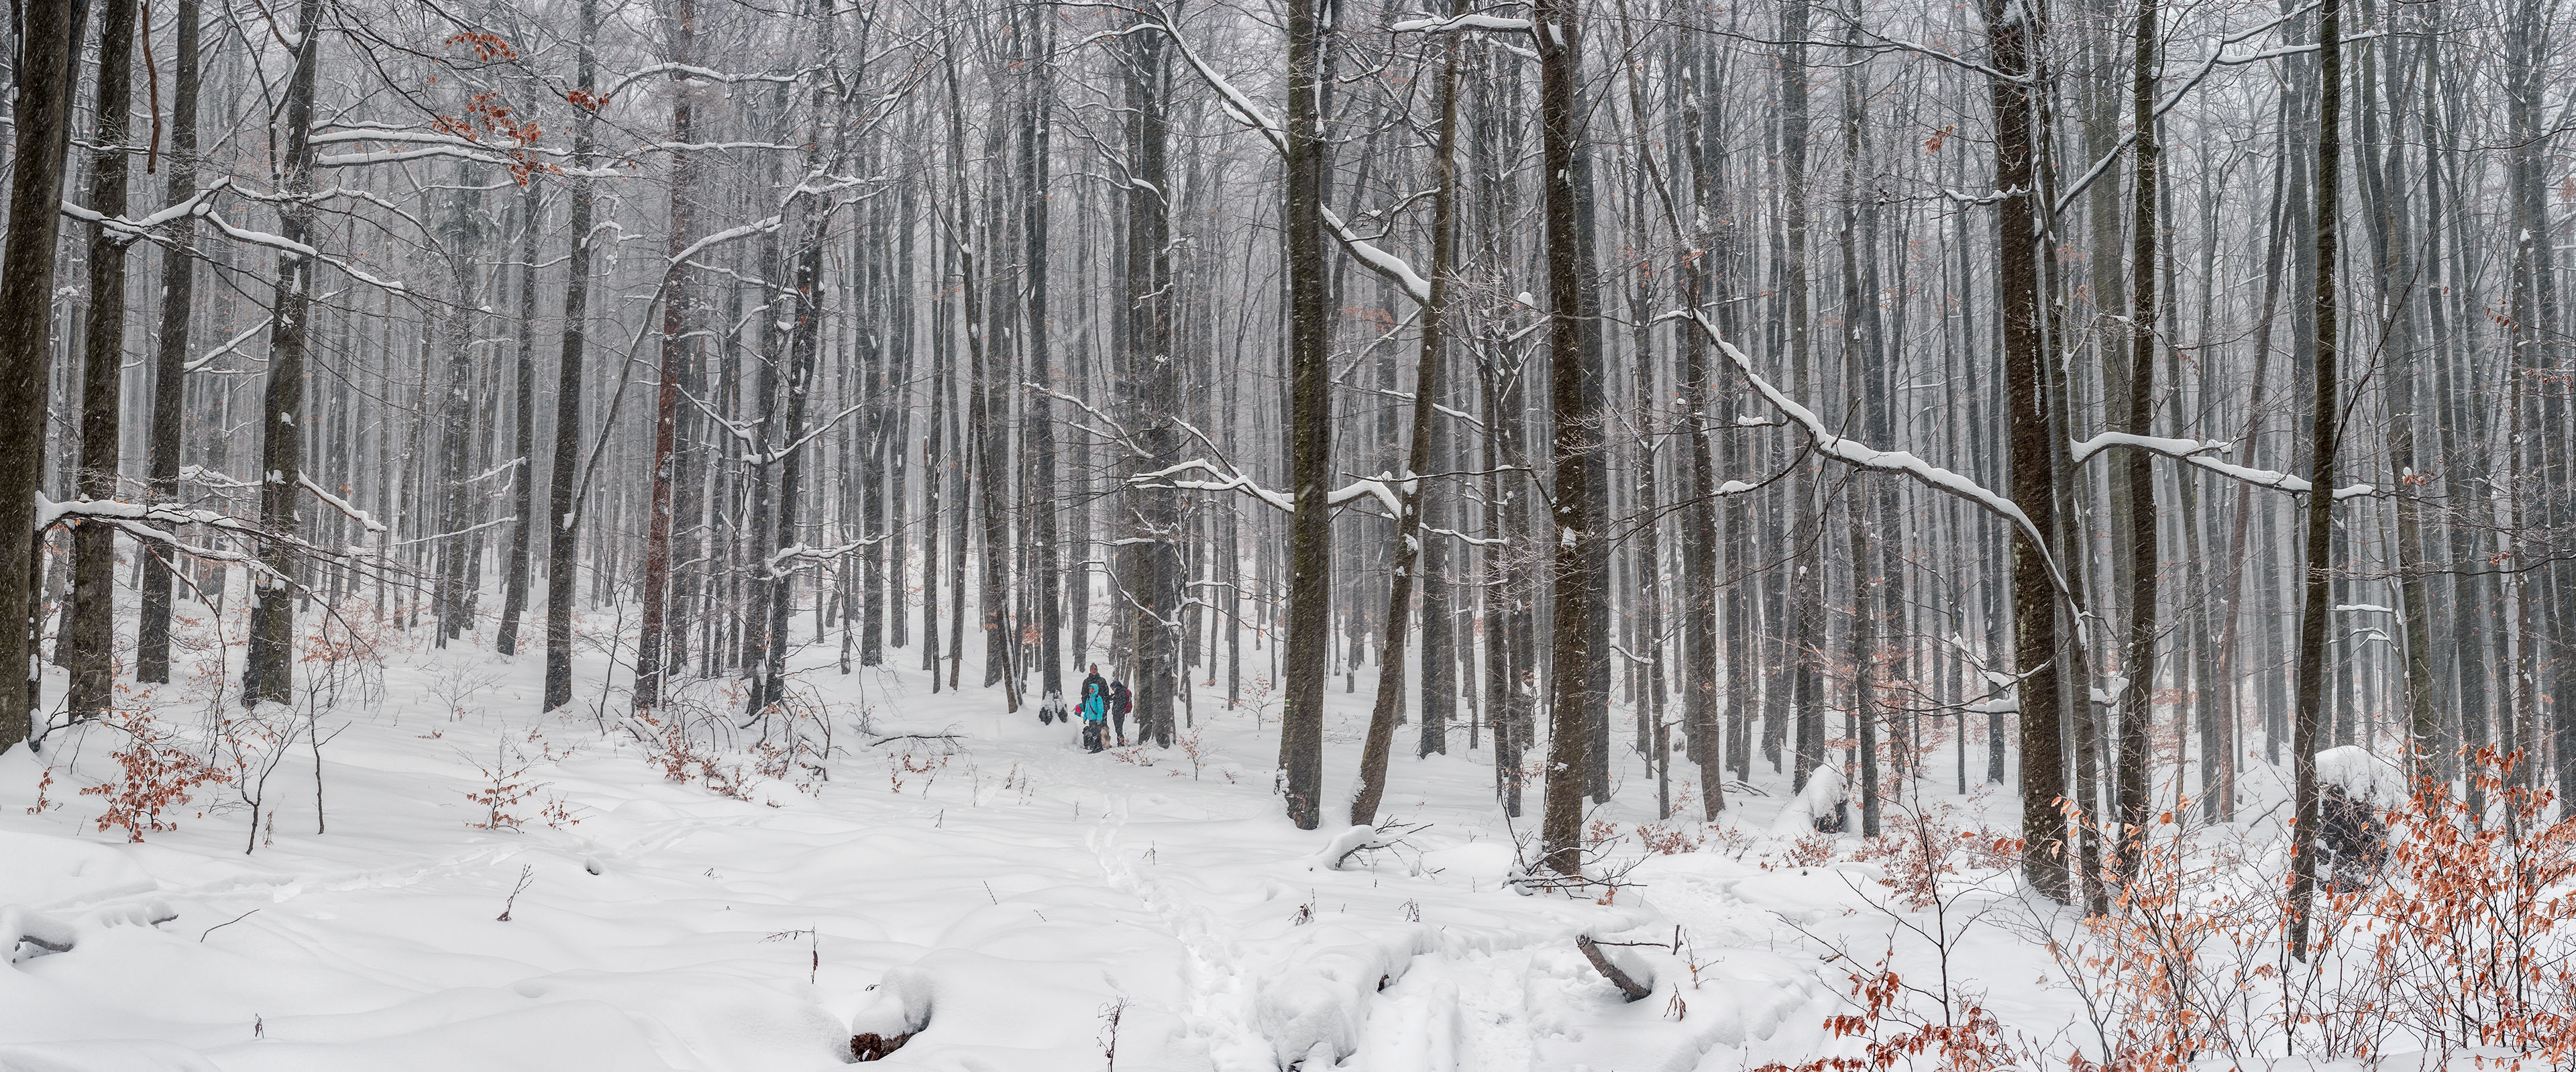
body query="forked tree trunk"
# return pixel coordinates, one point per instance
(1409, 532)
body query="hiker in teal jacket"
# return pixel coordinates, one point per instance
(1094, 708)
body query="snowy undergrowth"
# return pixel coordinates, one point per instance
(686, 893)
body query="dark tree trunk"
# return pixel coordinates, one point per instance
(2137, 701)
(49, 40)
(563, 500)
(2013, 42)
(1035, 131)
(1409, 534)
(89, 621)
(514, 601)
(1310, 425)
(267, 672)
(2317, 607)
(649, 644)
(170, 360)
(1573, 359)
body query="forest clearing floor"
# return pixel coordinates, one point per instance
(963, 872)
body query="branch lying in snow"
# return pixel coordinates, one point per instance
(54, 934)
(1360, 839)
(1635, 990)
(1853, 452)
(2196, 452)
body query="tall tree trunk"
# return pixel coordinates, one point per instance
(1310, 425)
(2317, 606)
(650, 667)
(89, 625)
(2137, 701)
(1035, 134)
(267, 672)
(563, 501)
(170, 359)
(514, 601)
(49, 40)
(1573, 358)
(1409, 533)
(2013, 41)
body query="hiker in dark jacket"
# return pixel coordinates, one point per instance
(1120, 702)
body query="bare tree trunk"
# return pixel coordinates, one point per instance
(267, 673)
(563, 501)
(649, 644)
(89, 621)
(49, 39)
(1035, 131)
(170, 360)
(1310, 425)
(2317, 607)
(2013, 41)
(1573, 358)
(2137, 701)
(514, 602)
(1409, 533)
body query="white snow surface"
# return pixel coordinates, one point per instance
(965, 876)
(1001, 900)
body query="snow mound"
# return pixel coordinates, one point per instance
(1822, 799)
(1317, 1005)
(2362, 776)
(899, 1004)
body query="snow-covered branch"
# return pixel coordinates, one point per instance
(2196, 452)
(1380, 487)
(1470, 21)
(1853, 452)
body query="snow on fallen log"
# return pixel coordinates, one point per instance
(27, 933)
(1632, 974)
(897, 1008)
(1819, 808)
(1314, 1008)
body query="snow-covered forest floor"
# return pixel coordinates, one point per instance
(946, 869)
